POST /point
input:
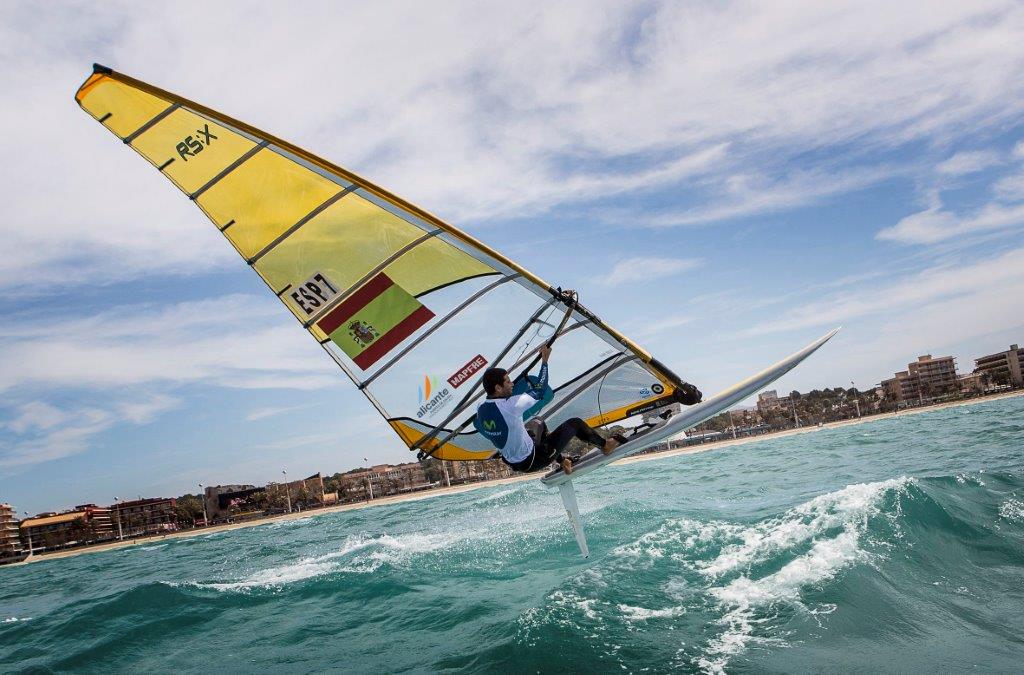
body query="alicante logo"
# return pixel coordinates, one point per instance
(431, 398)
(362, 332)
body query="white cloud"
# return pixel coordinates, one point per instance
(644, 269)
(147, 410)
(35, 415)
(264, 413)
(1010, 188)
(42, 432)
(1001, 277)
(645, 329)
(231, 341)
(983, 319)
(936, 224)
(964, 163)
(483, 111)
(744, 194)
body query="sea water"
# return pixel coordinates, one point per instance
(893, 546)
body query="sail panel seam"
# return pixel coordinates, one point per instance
(523, 360)
(450, 315)
(468, 399)
(228, 169)
(148, 125)
(586, 385)
(369, 275)
(302, 221)
(461, 279)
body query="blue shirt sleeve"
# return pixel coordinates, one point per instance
(537, 391)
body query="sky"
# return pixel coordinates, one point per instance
(722, 181)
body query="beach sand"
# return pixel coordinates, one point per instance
(455, 489)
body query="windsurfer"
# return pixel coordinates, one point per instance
(528, 446)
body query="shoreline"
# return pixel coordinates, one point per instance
(456, 489)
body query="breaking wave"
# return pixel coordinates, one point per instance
(756, 584)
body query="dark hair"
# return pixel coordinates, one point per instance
(494, 378)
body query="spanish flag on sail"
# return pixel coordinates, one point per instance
(374, 320)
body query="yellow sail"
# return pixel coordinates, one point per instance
(396, 296)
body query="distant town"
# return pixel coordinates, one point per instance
(927, 381)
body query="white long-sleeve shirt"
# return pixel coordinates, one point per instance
(500, 420)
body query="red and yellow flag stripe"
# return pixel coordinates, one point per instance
(374, 320)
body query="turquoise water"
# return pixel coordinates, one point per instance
(891, 546)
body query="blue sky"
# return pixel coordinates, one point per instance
(723, 181)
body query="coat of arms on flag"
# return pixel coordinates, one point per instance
(374, 320)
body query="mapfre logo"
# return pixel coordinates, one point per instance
(467, 371)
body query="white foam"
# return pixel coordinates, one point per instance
(567, 603)
(277, 576)
(419, 542)
(1012, 509)
(496, 496)
(676, 534)
(15, 619)
(359, 554)
(643, 614)
(964, 478)
(746, 601)
(352, 543)
(388, 550)
(826, 557)
(850, 506)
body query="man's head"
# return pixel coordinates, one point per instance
(497, 383)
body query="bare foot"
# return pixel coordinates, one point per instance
(566, 466)
(610, 445)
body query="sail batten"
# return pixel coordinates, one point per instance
(224, 172)
(373, 272)
(403, 302)
(468, 398)
(445, 319)
(302, 221)
(141, 130)
(558, 405)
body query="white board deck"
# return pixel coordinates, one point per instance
(689, 417)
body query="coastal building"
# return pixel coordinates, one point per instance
(225, 500)
(354, 485)
(302, 493)
(768, 402)
(933, 376)
(892, 389)
(1002, 368)
(923, 380)
(10, 541)
(388, 479)
(972, 383)
(218, 498)
(903, 387)
(87, 523)
(144, 516)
